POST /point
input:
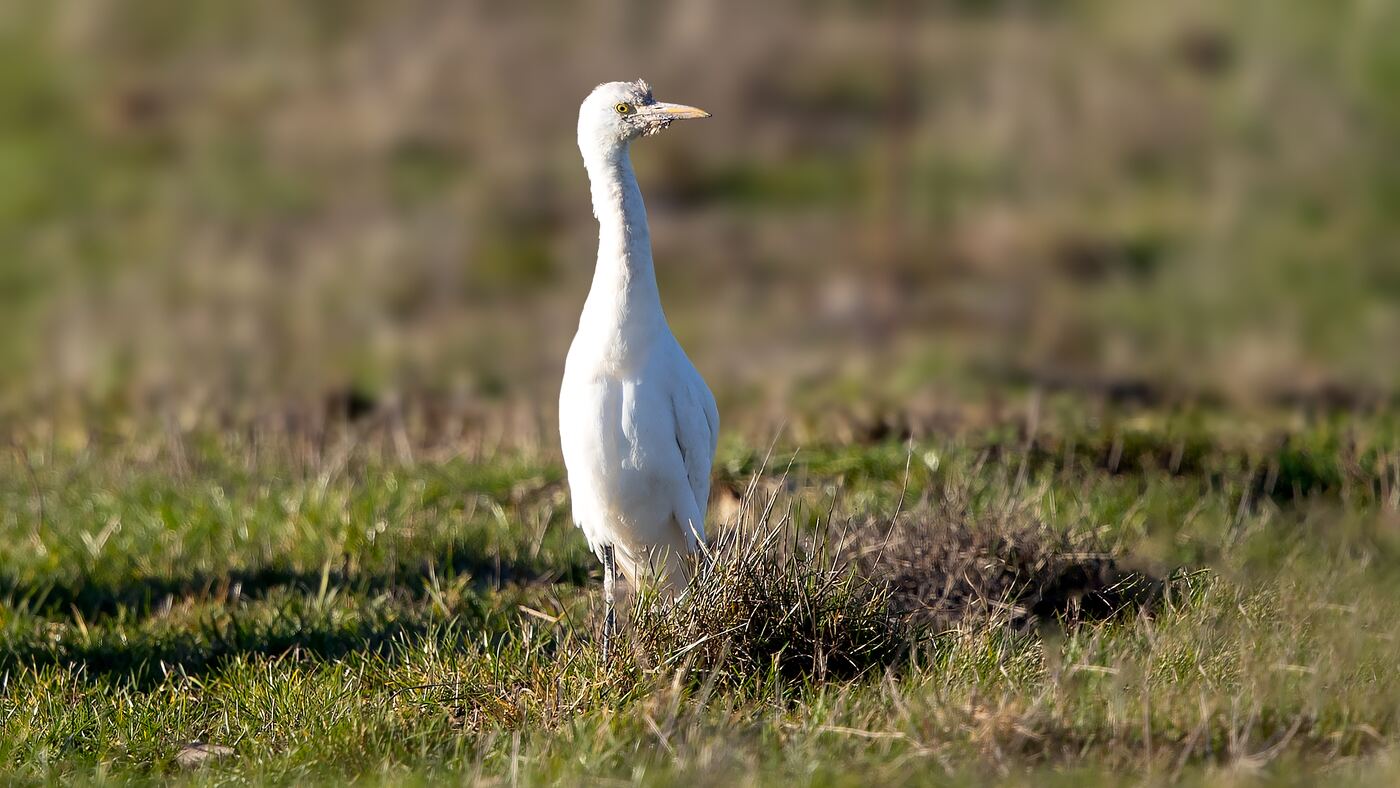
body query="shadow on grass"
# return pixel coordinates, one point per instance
(126, 631)
(94, 597)
(142, 659)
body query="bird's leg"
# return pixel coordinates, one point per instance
(609, 589)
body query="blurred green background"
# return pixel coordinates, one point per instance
(217, 211)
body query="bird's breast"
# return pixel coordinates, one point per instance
(616, 421)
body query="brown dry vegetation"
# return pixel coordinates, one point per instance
(222, 212)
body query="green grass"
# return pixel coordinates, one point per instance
(349, 615)
(1170, 226)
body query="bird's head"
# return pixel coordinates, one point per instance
(616, 113)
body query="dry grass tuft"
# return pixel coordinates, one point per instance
(807, 603)
(945, 568)
(774, 601)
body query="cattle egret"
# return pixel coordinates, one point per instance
(637, 422)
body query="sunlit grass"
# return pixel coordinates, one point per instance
(247, 601)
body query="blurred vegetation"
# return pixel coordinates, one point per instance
(225, 210)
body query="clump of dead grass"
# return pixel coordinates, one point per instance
(837, 602)
(944, 568)
(774, 601)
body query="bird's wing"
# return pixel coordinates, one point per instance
(697, 434)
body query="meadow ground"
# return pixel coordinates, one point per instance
(1054, 344)
(1100, 594)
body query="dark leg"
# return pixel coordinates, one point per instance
(609, 586)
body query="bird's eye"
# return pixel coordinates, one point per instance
(623, 108)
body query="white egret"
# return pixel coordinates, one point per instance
(637, 422)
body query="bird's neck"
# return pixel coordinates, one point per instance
(624, 296)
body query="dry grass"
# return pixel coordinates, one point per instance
(774, 602)
(944, 568)
(837, 601)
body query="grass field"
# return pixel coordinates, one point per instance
(1054, 342)
(330, 611)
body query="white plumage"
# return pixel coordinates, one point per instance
(637, 422)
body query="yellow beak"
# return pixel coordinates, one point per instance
(676, 111)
